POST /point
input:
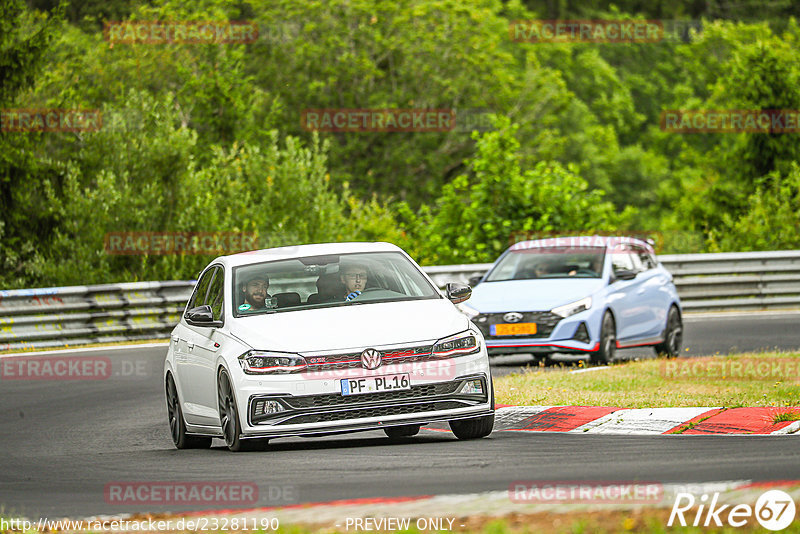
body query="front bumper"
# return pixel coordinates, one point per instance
(577, 334)
(315, 414)
(314, 405)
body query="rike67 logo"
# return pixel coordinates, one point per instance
(774, 510)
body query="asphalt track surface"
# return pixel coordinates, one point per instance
(62, 442)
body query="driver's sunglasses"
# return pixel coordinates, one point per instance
(356, 276)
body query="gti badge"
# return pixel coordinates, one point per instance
(512, 317)
(371, 359)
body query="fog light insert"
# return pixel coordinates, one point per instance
(471, 387)
(266, 407)
(581, 333)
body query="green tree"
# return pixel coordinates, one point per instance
(478, 215)
(25, 218)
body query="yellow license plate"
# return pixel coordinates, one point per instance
(514, 329)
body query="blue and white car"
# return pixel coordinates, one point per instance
(577, 295)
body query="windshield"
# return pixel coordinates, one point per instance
(550, 262)
(326, 281)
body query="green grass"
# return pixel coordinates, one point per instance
(786, 416)
(651, 384)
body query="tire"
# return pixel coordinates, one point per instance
(673, 336)
(475, 427)
(229, 419)
(608, 341)
(177, 426)
(404, 431)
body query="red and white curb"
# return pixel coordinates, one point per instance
(644, 421)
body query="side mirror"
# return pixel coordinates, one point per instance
(475, 280)
(624, 274)
(202, 316)
(458, 292)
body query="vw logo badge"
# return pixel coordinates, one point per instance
(511, 317)
(371, 359)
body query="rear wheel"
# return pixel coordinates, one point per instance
(673, 336)
(608, 341)
(229, 419)
(404, 431)
(177, 427)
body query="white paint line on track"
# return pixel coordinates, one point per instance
(590, 369)
(85, 349)
(640, 421)
(697, 316)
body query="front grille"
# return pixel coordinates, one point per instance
(545, 323)
(353, 359)
(378, 411)
(337, 407)
(336, 399)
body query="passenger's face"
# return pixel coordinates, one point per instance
(354, 279)
(255, 292)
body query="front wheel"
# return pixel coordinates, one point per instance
(177, 426)
(229, 419)
(474, 428)
(608, 341)
(673, 336)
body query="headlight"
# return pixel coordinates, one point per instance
(573, 307)
(457, 345)
(468, 311)
(258, 362)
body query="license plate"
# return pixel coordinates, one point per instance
(374, 384)
(513, 329)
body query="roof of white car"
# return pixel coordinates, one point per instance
(580, 241)
(299, 251)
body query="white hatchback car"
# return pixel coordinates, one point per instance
(322, 339)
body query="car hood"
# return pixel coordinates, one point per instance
(349, 327)
(531, 295)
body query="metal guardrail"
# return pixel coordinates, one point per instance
(67, 316)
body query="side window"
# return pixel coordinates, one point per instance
(201, 289)
(637, 262)
(215, 294)
(621, 259)
(645, 258)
